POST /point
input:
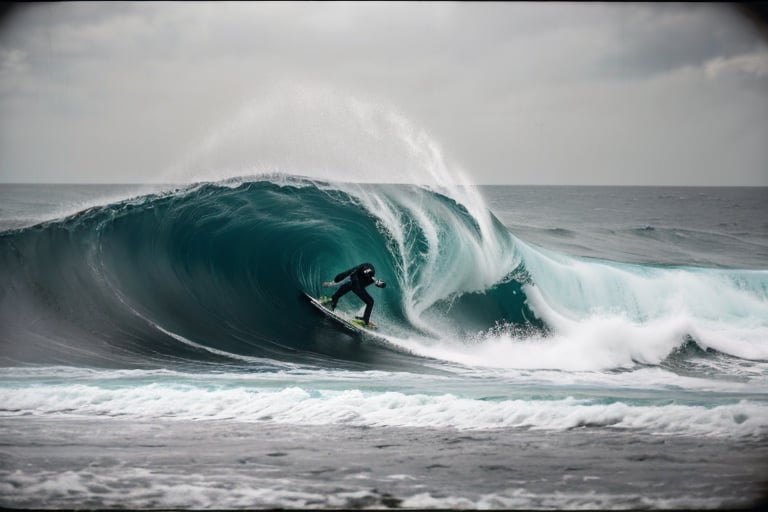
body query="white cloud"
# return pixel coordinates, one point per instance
(755, 64)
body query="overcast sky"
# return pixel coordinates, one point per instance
(518, 93)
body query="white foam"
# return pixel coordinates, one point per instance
(520, 498)
(158, 487)
(296, 405)
(592, 345)
(256, 487)
(610, 315)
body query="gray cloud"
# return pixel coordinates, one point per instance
(661, 38)
(514, 93)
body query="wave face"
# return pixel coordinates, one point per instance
(214, 272)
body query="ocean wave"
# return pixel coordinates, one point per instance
(312, 406)
(213, 273)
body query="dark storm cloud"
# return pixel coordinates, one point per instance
(653, 39)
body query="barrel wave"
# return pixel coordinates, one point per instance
(213, 273)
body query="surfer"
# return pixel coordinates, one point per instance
(356, 280)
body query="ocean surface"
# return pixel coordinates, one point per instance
(539, 347)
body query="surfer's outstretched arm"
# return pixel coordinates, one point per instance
(335, 284)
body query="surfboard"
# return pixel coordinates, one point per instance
(341, 318)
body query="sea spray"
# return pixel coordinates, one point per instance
(347, 139)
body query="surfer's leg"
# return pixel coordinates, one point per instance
(343, 290)
(365, 297)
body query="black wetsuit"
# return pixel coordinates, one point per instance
(359, 277)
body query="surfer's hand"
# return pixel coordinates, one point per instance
(327, 283)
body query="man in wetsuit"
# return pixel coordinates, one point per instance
(356, 280)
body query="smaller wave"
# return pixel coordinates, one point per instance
(626, 313)
(305, 406)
